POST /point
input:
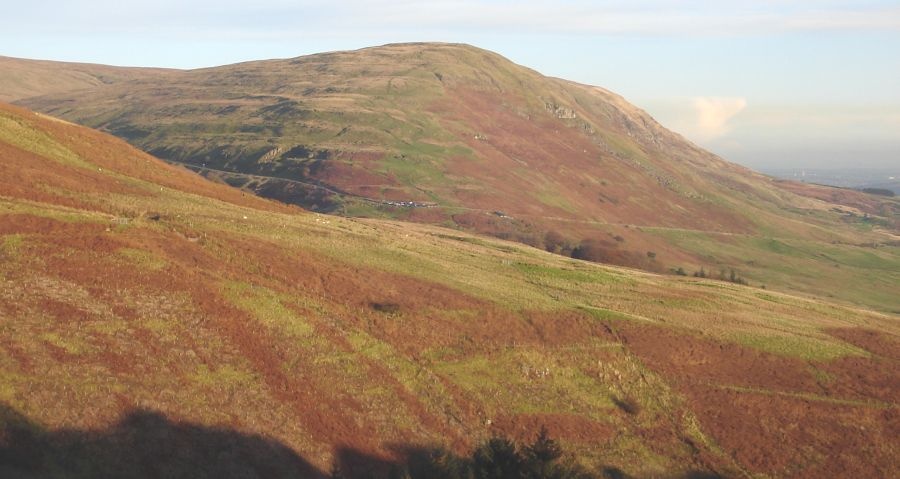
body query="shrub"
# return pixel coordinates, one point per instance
(598, 251)
(386, 307)
(555, 242)
(628, 405)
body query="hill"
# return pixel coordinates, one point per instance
(457, 136)
(156, 324)
(22, 78)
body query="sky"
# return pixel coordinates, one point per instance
(765, 83)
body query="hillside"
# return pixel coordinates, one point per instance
(22, 78)
(457, 136)
(156, 324)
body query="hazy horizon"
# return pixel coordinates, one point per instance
(805, 84)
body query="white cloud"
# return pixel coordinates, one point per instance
(775, 135)
(713, 115)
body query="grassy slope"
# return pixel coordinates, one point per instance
(474, 133)
(21, 78)
(131, 284)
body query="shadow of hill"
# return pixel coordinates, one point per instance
(146, 444)
(440, 463)
(142, 445)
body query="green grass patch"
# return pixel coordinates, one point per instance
(804, 347)
(417, 379)
(413, 169)
(58, 213)
(549, 273)
(529, 381)
(266, 306)
(365, 209)
(779, 247)
(856, 274)
(18, 133)
(808, 396)
(11, 244)
(481, 242)
(553, 199)
(603, 314)
(226, 375)
(623, 147)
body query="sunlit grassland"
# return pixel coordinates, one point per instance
(18, 133)
(296, 325)
(854, 273)
(522, 278)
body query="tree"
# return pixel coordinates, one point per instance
(439, 464)
(541, 457)
(544, 449)
(555, 242)
(497, 459)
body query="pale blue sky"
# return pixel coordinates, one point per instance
(765, 83)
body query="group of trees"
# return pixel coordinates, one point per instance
(730, 277)
(599, 250)
(602, 250)
(879, 191)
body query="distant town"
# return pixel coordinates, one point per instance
(856, 178)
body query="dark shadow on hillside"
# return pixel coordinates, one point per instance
(146, 444)
(440, 463)
(142, 445)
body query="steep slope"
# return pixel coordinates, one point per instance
(155, 324)
(22, 78)
(455, 135)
